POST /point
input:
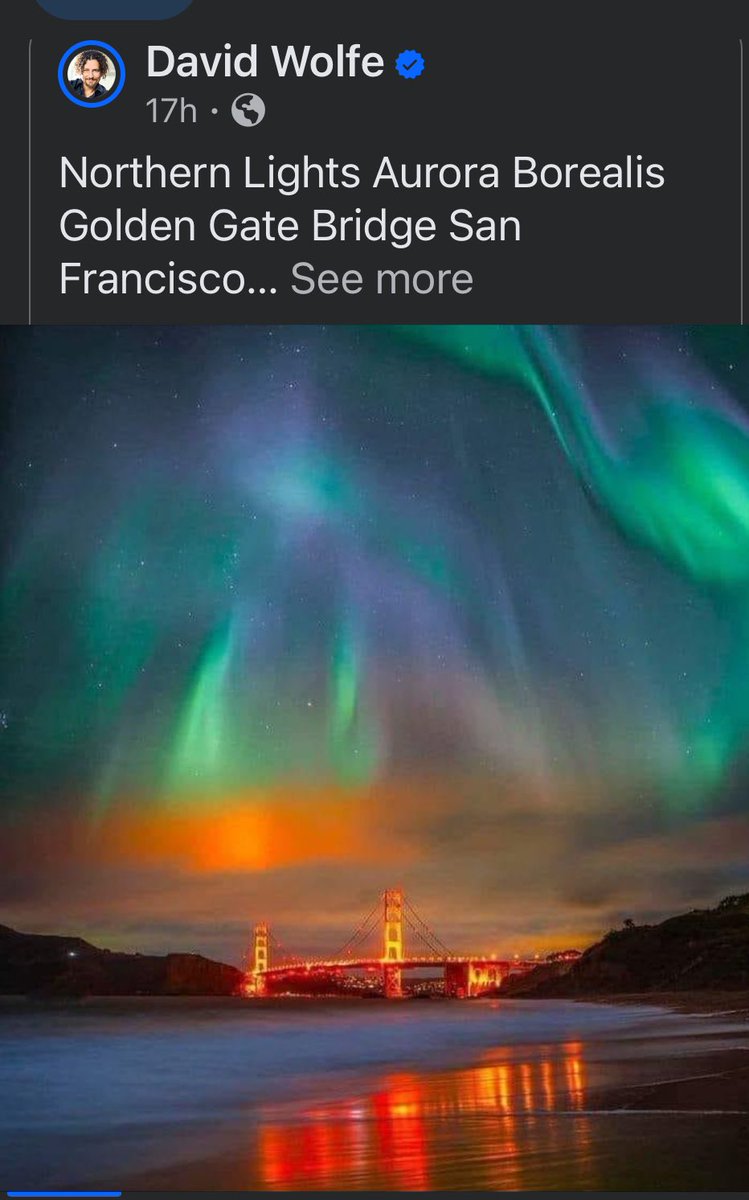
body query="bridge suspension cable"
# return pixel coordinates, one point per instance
(285, 955)
(423, 931)
(362, 931)
(370, 924)
(431, 946)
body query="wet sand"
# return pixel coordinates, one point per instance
(663, 1111)
(735, 1004)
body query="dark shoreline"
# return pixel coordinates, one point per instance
(733, 1003)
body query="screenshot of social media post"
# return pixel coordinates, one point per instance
(374, 716)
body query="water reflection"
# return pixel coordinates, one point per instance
(404, 1136)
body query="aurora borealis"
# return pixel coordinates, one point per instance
(295, 614)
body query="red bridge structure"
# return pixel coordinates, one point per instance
(465, 975)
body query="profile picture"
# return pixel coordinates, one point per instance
(91, 74)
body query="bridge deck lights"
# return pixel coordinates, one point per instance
(393, 961)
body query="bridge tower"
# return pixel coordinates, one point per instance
(259, 965)
(393, 956)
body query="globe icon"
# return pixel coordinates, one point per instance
(248, 109)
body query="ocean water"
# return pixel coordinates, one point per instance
(292, 1094)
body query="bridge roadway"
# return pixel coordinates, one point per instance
(412, 961)
(465, 974)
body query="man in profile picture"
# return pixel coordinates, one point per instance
(91, 67)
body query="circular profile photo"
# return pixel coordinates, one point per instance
(91, 74)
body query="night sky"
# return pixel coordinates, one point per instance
(291, 615)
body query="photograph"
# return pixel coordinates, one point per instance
(375, 751)
(91, 74)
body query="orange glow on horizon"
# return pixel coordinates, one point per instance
(254, 831)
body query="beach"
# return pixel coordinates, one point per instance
(299, 1095)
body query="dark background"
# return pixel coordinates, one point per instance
(581, 82)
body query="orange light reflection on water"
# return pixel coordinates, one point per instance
(415, 1130)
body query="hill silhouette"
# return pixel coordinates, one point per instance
(702, 950)
(44, 964)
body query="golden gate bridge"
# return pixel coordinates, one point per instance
(465, 975)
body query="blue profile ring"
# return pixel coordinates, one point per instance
(93, 43)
